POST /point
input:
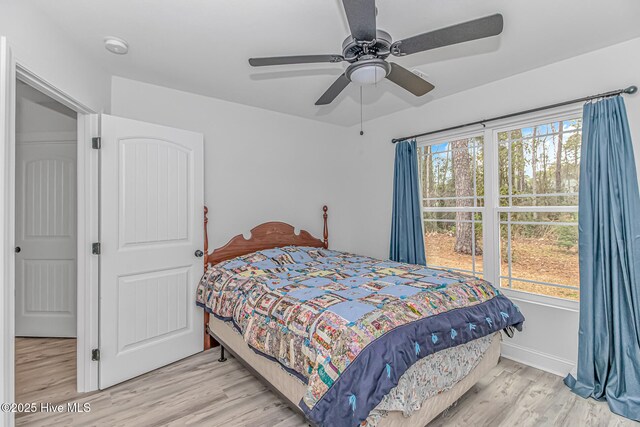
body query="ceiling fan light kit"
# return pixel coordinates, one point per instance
(367, 50)
(368, 71)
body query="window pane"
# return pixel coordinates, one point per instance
(452, 173)
(546, 253)
(570, 199)
(526, 217)
(540, 165)
(454, 240)
(554, 291)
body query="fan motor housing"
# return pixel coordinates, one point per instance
(353, 49)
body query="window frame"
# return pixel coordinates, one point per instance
(491, 208)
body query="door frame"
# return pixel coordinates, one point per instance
(7, 261)
(87, 169)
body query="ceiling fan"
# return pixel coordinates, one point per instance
(367, 49)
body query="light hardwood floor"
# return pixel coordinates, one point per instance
(201, 391)
(45, 370)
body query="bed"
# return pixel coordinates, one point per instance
(349, 340)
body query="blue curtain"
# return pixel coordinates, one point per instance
(407, 240)
(609, 248)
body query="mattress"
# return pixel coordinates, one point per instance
(350, 326)
(292, 389)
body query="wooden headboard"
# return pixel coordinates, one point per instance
(268, 235)
(265, 236)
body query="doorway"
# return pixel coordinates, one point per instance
(45, 247)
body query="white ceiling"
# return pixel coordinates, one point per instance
(202, 46)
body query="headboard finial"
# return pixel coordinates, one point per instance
(206, 238)
(326, 229)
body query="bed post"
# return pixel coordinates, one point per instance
(206, 237)
(325, 233)
(208, 340)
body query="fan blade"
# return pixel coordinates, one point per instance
(409, 81)
(361, 15)
(301, 59)
(459, 33)
(333, 91)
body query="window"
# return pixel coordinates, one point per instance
(503, 204)
(452, 182)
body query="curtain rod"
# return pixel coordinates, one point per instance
(630, 91)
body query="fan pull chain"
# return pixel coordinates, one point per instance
(361, 131)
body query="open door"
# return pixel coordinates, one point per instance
(7, 289)
(151, 238)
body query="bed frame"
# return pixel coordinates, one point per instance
(276, 234)
(268, 235)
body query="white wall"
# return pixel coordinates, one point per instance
(48, 120)
(550, 337)
(33, 117)
(45, 50)
(259, 165)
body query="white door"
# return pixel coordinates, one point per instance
(151, 226)
(45, 237)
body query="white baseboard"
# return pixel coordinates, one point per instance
(536, 359)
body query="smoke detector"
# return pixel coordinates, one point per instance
(116, 45)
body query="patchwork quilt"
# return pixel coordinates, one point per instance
(349, 326)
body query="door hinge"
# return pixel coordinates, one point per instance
(96, 142)
(95, 355)
(95, 248)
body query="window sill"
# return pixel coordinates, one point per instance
(559, 303)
